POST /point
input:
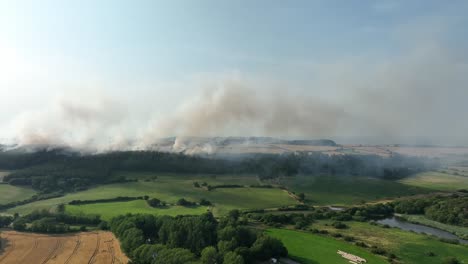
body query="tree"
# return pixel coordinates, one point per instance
(19, 224)
(153, 202)
(232, 258)
(266, 247)
(301, 197)
(209, 255)
(196, 185)
(174, 256)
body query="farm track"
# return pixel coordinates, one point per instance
(90, 247)
(75, 249)
(96, 250)
(58, 245)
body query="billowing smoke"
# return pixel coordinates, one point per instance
(82, 122)
(234, 109)
(418, 92)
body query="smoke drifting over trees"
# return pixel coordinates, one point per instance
(418, 94)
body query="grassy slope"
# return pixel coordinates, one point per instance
(314, 249)
(326, 190)
(172, 188)
(437, 181)
(9, 193)
(421, 219)
(410, 247)
(109, 210)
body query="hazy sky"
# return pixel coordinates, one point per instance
(78, 72)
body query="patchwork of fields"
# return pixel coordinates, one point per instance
(170, 189)
(95, 247)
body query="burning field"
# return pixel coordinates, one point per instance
(90, 247)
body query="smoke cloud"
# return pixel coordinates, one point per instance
(418, 93)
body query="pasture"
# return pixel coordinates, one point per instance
(410, 247)
(10, 193)
(172, 188)
(91, 247)
(310, 248)
(437, 181)
(109, 210)
(335, 190)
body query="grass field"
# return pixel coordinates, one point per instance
(437, 181)
(315, 249)
(408, 246)
(109, 210)
(421, 219)
(326, 190)
(171, 188)
(9, 193)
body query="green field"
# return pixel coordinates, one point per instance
(109, 210)
(9, 193)
(437, 181)
(334, 190)
(421, 219)
(315, 249)
(171, 188)
(408, 246)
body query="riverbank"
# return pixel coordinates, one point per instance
(459, 231)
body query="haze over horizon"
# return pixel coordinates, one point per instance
(111, 74)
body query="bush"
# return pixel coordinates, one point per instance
(451, 260)
(339, 225)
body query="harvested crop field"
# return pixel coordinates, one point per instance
(89, 247)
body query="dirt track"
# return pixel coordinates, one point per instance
(89, 247)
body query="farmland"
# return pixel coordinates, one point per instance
(315, 249)
(92, 247)
(326, 190)
(9, 193)
(109, 210)
(437, 181)
(410, 247)
(170, 189)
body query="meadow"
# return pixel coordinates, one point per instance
(410, 247)
(335, 190)
(437, 181)
(9, 193)
(109, 210)
(173, 187)
(310, 248)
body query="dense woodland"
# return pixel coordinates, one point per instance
(149, 239)
(56, 170)
(451, 210)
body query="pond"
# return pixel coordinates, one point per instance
(394, 222)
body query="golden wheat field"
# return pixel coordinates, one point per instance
(88, 247)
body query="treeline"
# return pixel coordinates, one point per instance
(149, 239)
(445, 209)
(36, 197)
(49, 171)
(109, 200)
(301, 220)
(44, 221)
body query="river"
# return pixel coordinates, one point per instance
(393, 222)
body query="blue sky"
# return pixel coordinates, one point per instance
(131, 51)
